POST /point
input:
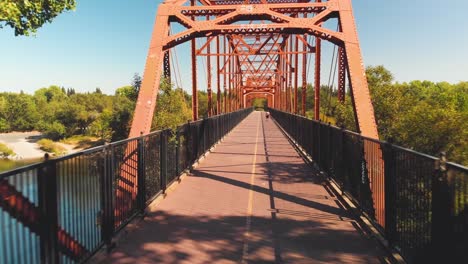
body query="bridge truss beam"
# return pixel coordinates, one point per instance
(257, 45)
(265, 48)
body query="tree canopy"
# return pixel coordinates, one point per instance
(422, 115)
(425, 116)
(25, 17)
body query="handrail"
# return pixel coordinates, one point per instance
(424, 199)
(71, 206)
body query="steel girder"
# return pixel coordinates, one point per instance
(267, 47)
(259, 45)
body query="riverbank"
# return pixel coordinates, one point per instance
(25, 146)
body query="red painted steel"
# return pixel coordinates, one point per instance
(23, 210)
(318, 58)
(259, 53)
(341, 74)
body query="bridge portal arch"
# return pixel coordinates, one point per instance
(250, 96)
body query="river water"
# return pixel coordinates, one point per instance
(79, 206)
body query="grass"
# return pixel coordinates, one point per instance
(82, 141)
(5, 151)
(6, 164)
(50, 146)
(325, 119)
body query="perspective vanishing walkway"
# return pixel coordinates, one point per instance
(252, 200)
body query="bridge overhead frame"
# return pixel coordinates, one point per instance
(257, 48)
(257, 45)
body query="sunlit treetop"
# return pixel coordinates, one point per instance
(26, 16)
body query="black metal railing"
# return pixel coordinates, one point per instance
(420, 202)
(63, 210)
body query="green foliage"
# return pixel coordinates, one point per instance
(203, 103)
(101, 126)
(52, 93)
(172, 108)
(5, 151)
(25, 17)
(50, 146)
(425, 116)
(259, 103)
(122, 113)
(344, 115)
(127, 91)
(18, 112)
(53, 131)
(136, 84)
(4, 125)
(82, 141)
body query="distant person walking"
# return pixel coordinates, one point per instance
(267, 115)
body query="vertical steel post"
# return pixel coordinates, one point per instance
(390, 192)
(208, 66)
(177, 153)
(163, 159)
(218, 81)
(441, 211)
(47, 192)
(341, 74)
(225, 76)
(107, 214)
(304, 76)
(229, 95)
(194, 75)
(318, 52)
(167, 66)
(318, 55)
(296, 76)
(141, 188)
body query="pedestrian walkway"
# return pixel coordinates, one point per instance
(252, 200)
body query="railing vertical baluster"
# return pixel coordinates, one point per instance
(47, 190)
(163, 163)
(141, 188)
(107, 210)
(390, 192)
(441, 211)
(177, 153)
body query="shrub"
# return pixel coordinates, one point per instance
(5, 151)
(55, 131)
(50, 146)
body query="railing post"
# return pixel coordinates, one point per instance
(339, 156)
(390, 192)
(163, 160)
(441, 209)
(141, 178)
(329, 157)
(107, 207)
(47, 190)
(177, 153)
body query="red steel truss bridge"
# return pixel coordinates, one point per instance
(241, 185)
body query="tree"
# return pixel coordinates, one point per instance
(50, 93)
(122, 113)
(25, 17)
(101, 126)
(172, 109)
(54, 131)
(259, 103)
(136, 84)
(19, 111)
(128, 92)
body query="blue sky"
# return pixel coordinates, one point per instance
(103, 43)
